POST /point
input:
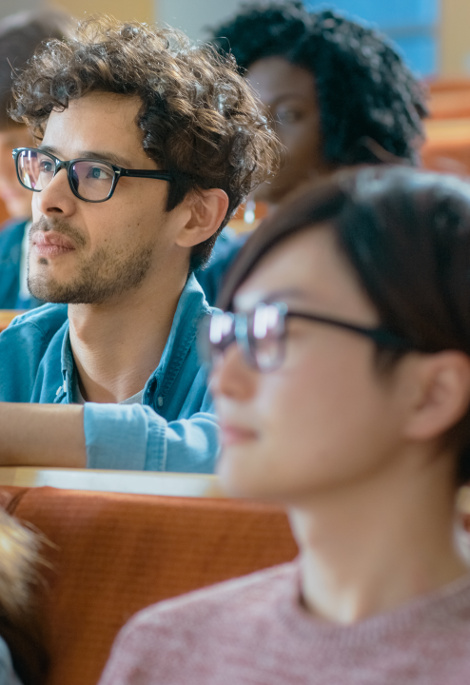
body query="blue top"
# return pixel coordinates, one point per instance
(226, 248)
(11, 239)
(7, 673)
(173, 430)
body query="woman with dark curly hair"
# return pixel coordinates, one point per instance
(341, 377)
(338, 94)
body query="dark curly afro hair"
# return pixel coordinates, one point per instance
(370, 103)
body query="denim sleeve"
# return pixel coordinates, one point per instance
(135, 437)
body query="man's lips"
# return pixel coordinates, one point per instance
(51, 244)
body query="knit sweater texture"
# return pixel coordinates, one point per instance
(255, 631)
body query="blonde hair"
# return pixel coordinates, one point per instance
(19, 560)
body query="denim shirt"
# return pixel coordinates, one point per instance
(173, 430)
(11, 240)
(211, 276)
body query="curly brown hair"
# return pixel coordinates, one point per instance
(199, 119)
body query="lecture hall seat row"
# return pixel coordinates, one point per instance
(114, 553)
(120, 541)
(447, 148)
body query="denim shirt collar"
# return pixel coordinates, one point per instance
(65, 392)
(192, 307)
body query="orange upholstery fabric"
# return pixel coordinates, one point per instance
(450, 104)
(116, 553)
(3, 212)
(6, 315)
(449, 98)
(447, 147)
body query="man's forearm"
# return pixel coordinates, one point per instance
(42, 435)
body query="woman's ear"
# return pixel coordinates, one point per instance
(207, 210)
(443, 394)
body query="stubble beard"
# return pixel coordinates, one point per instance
(103, 276)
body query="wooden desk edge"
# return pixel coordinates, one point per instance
(131, 482)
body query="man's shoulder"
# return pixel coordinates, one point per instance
(11, 236)
(30, 355)
(45, 320)
(12, 227)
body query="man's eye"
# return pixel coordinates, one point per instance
(98, 173)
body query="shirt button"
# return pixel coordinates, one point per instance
(160, 401)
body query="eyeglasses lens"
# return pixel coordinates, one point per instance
(35, 170)
(260, 335)
(266, 335)
(90, 180)
(94, 180)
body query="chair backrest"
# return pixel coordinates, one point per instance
(6, 315)
(447, 146)
(115, 553)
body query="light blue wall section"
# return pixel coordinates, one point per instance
(411, 24)
(195, 16)
(390, 13)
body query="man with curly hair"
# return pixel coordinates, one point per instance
(337, 92)
(145, 147)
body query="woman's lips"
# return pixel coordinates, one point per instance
(235, 435)
(51, 244)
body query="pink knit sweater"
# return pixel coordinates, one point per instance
(254, 631)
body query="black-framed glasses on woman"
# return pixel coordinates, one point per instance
(91, 180)
(261, 334)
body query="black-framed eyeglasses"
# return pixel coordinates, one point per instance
(91, 180)
(261, 334)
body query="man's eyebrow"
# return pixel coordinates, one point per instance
(97, 155)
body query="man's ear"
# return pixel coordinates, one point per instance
(443, 394)
(207, 210)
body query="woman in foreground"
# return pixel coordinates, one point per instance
(341, 373)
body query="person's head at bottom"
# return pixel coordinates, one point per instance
(341, 377)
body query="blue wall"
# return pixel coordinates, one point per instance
(411, 24)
